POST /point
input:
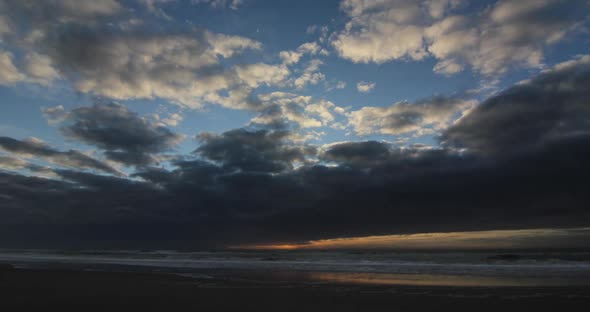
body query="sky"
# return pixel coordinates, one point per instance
(215, 123)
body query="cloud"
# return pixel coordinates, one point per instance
(125, 137)
(20, 165)
(244, 186)
(173, 120)
(512, 33)
(257, 151)
(228, 46)
(232, 4)
(254, 75)
(293, 57)
(496, 166)
(5, 26)
(406, 117)
(12, 163)
(241, 189)
(37, 69)
(179, 68)
(437, 8)
(71, 159)
(290, 57)
(62, 11)
(550, 106)
(381, 31)
(333, 85)
(29, 22)
(278, 108)
(40, 69)
(365, 87)
(363, 154)
(101, 57)
(54, 115)
(505, 34)
(152, 7)
(9, 74)
(311, 75)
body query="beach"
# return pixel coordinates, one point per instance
(99, 280)
(65, 290)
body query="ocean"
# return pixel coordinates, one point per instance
(430, 268)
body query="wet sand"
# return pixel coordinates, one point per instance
(69, 290)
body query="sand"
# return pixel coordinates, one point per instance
(69, 290)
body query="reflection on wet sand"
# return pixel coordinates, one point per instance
(431, 280)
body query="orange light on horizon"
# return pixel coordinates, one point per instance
(269, 247)
(533, 238)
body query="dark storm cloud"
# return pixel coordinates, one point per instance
(125, 137)
(551, 106)
(257, 150)
(366, 153)
(199, 204)
(71, 158)
(243, 186)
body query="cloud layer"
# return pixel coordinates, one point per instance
(502, 35)
(36, 148)
(125, 137)
(428, 115)
(260, 186)
(490, 163)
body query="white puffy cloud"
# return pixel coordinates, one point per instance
(9, 74)
(364, 86)
(184, 69)
(505, 34)
(278, 107)
(125, 62)
(380, 31)
(227, 46)
(310, 75)
(309, 48)
(254, 75)
(173, 120)
(321, 109)
(516, 32)
(55, 115)
(293, 57)
(290, 57)
(37, 68)
(423, 117)
(40, 68)
(169, 120)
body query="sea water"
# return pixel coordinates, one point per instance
(451, 268)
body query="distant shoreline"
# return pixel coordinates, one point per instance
(385, 268)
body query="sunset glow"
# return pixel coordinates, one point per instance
(533, 238)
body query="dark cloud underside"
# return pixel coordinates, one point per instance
(242, 186)
(519, 159)
(125, 137)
